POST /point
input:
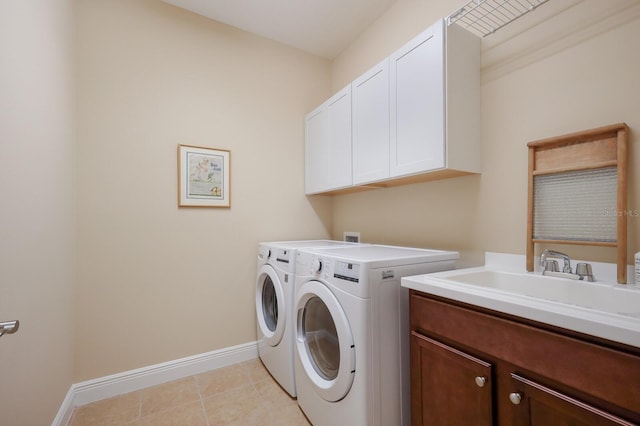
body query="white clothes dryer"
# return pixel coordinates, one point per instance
(274, 306)
(352, 332)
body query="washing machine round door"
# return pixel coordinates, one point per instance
(270, 305)
(324, 341)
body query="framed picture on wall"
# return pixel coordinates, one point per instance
(204, 177)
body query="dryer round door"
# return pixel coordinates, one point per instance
(324, 341)
(270, 305)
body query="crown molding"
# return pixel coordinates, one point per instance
(546, 32)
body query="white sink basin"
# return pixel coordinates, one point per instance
(609, 311)
(615, 299)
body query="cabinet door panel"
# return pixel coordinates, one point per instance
(328, 144)
(339, 140)
(542, 406)
(444, 390)
(417, 104)
(315, 149)
(370, 97)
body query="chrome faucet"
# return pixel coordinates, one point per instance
(550, 267)
(544, 263)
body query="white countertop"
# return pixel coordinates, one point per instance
(615, 327)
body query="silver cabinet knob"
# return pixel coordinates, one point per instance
(515, 398)
(480, 381)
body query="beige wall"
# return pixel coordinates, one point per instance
(36, 208)
(403, 21)
(579, 73)
(156, 283)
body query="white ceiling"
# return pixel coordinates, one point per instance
(321, 27)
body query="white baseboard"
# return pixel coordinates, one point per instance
(129, 381)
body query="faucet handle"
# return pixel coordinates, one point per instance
(584, 271)
(552, 266)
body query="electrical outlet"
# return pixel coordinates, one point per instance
(351, 237)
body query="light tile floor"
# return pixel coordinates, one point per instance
(242, 394)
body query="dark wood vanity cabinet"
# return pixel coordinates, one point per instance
(474, 367)
(449, 387)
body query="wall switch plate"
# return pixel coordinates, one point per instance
(351, 237)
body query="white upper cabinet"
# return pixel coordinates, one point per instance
(328, 160)
(340, 157)
(370, 107)
(435, 103)
(413, 117)
(417, 104)
(315, 140)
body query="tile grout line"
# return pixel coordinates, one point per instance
(266, 407)
(139, 407)
(204, 410)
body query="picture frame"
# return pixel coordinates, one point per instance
(204, 177)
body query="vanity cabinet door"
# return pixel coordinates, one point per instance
(538, 405)
(448, 387)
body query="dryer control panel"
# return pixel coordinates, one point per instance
(347, 271)
(283, 256)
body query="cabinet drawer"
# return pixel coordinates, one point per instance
(609, 375)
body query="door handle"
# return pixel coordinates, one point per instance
(9, 327)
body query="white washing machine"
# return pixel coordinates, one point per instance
(352, 332)
(274, 305)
